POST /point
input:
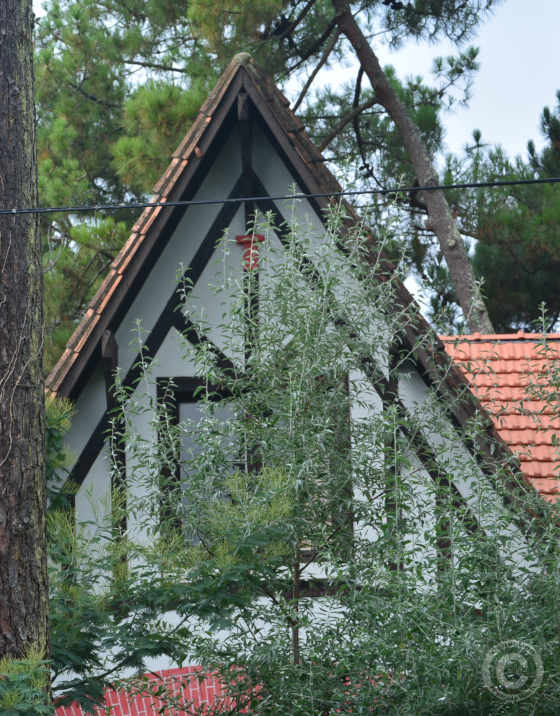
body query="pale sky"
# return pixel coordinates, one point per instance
(520, 73)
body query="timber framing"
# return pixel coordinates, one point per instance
(245, 95)
(387, 388)
(110, 362)
(169, 318)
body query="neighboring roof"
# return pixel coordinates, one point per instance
(186, 683)
(508, 374)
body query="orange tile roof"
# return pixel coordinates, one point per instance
(510, 375)
(204, 695)
(189, 151)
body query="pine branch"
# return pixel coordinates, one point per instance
(346, 120)
(330, 47)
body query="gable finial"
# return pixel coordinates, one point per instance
(250, 244)
(242, 58)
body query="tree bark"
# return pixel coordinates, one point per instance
(23, 558)
(440, 220)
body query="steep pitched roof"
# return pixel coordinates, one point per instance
(509, 374)
(173, 186)
(179, 182)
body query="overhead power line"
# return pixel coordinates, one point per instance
(240, 200)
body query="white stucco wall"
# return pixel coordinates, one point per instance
(176, 358)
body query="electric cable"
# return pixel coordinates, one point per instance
(240, 200)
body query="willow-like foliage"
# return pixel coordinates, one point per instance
(304, 537)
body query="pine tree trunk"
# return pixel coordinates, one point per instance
(23, 561)
(440, 220)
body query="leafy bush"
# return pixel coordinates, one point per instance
(24, 686)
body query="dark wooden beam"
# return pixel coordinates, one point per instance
(110, 361)
(244, 120)
(185, 188)
(89, 454)
(251, 277)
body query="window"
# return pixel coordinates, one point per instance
(179, 401)
(320, 451)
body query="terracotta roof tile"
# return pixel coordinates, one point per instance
(115, 280)
(500, 369)
(161, 182)
(187, 149)
(83, 329)
(127, 256)
(154, 213)
(60, 370)
(139, 230)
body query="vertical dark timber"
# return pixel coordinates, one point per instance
(110, 356)
(170, 478)
(244, 119)
(391, 470)
(251, 277)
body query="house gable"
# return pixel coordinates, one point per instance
(214, 161)
(223, 156)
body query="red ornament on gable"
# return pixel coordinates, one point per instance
(250, 245)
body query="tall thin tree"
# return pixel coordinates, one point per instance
(440, 219)
(23, 560)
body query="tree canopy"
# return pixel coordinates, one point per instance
(119, 83)
(518, 249)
